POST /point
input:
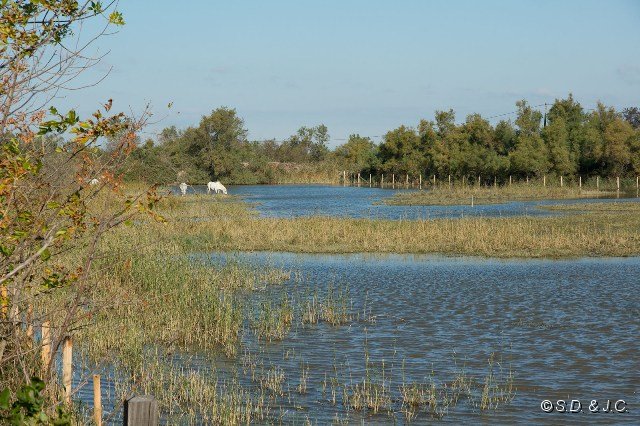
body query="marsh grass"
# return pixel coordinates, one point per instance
(600, 208)
(273, 320)
(489, 195)
(199, 399)
(332, 306)
(611, 233)
(233, 225)
(304, 377)
(498, 387)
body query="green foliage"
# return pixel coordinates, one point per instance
(28, 408)
(358, 152)
(632, 116)
(556, 136)
(399, 153)
(530, 156)
(574, 142)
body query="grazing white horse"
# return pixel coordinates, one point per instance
(215, 187)
(94, 182)
(183, 188)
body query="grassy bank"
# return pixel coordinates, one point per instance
(231, 226)
(462, 195)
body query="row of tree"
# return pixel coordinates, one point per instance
(568, 140)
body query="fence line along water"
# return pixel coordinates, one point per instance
(415, 181)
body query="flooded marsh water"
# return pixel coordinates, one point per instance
(394, 339)
(289, 201)
(563, 329)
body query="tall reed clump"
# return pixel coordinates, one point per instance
(149, 296)
(189, 396)
(332, 306)
(273, 320)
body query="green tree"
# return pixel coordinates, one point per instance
(308, 144)
(556, 136)
(530, 156)
(571, 112)
(593, 159)
(434, 149)
(221, 135)
(505, 137)
(400, 152)
(358, 152)
(632, 116)
(445, 122)
(618, 138)
(528, 120)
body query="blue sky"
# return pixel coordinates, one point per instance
(362, 66)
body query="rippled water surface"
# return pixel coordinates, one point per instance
(365, 202)
(565, 330)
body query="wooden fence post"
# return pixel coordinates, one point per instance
(598, 183)
(509, 180)
(46, 346)
(449, 181)
(420, 180)
(407, 181)
(478, 180)
(580, 181)
(618, 182)
(495, 182)
(97, 400)
(344, 178)
(141, 411)
(393, 180)
(561, 182)
(382, 181)
(369, 180)
(67, 368)
(544, 180)
(29, 321)
(434, 180)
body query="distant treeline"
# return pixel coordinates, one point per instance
(567, 141)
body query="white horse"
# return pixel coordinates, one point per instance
(215, 187)
(183, 188)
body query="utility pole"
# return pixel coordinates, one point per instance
(545, 114)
